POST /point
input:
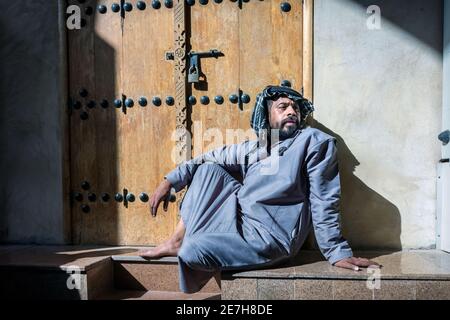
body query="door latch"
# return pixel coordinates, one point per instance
(194, 70)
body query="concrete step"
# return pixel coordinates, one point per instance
(56, 272)
(132, 272)
(414, 274)
(87, 273)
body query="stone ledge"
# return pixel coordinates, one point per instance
(138, 259)
(401, 265)
(328, 289)
(157, 295)
(414, 274)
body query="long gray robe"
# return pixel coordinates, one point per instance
(266, 219)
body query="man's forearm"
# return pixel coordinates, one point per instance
(181, 176)
(227, 156)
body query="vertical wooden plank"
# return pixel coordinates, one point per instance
(94, 65)
(308, 41)
(81, 76)
(215, 26)
(271, 47)
(65, 118)
(108, 87)
(145, 141)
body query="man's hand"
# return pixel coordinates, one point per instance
(161, 193)
(354, 263)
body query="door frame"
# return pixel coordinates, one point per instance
(443, 183)
(308, 49)
(65, 121)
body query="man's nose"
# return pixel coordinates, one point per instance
(290, 111)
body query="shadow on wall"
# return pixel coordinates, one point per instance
(31, 131)
(366, 216)
(411, 16)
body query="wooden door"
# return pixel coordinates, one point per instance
(129, 91)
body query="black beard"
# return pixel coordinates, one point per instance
(286, 132)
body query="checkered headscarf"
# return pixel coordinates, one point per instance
(260, 115)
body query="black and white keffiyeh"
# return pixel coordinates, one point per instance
(260, 116)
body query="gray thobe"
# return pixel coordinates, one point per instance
(264, 220)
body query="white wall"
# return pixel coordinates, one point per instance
(380, 93)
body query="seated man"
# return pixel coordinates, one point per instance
(226, 225)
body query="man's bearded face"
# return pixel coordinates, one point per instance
(284, 115)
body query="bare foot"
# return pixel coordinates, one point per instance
(168, 248)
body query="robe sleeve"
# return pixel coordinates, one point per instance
(229, 157)
(325, 194)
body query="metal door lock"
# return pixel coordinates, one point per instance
(194, 70)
